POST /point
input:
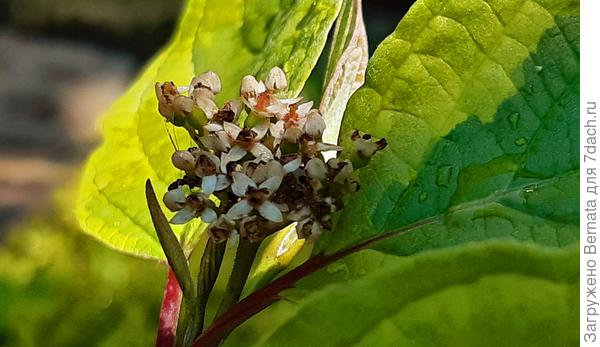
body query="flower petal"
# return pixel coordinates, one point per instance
(272, 184)
(293, 165)
(231, 129)
(183, 216)
(234, 154)
(277, 129)
(290, 101)
(261, 129)
(208, 215)
(213, 127)
(241, 183)
(209, 184)
(222, 182)
(316, 169)
(239, 210)
(321, 147)
(268, 210)
(304, 108)
(261, 152)
(214, 143)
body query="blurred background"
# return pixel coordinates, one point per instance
(62, 63)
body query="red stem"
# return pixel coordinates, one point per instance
(263, 298)
(169, 312)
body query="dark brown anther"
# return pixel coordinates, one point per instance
(355, 135)
(252, 230)
(246, 138)
(256, 197)
(205, 166)
(381, 144)
(224, 116)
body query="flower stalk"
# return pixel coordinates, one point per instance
(244, 257)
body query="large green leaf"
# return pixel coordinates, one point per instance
(479, 102)
(486, 294)
(232, 38)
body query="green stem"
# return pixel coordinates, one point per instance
(244, 257)
(207, 276)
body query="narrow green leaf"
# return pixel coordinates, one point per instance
(492, 294)
(479, 101)
(170, 245)
(345, 68)
(232, 38)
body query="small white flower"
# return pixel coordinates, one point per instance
(291, 122)
(196, 205)
(243, 141)
(255, 197)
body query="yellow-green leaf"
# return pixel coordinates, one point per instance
(232, 38)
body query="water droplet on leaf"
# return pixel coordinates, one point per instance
(521, 141)
(513, 119)
(444, 174)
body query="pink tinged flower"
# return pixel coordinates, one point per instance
(255, 197)
(291, 122)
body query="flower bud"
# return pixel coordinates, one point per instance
(276, 80)
(221, 229)
(174, 199)
(184, 160)
(315, 124)
(234, 106)
(249, 88)
(207, 105)
(182, 105)
(316, 169)
(208, 80)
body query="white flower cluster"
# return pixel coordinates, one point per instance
(260, 157)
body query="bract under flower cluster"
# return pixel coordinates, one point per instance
(260, 156)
